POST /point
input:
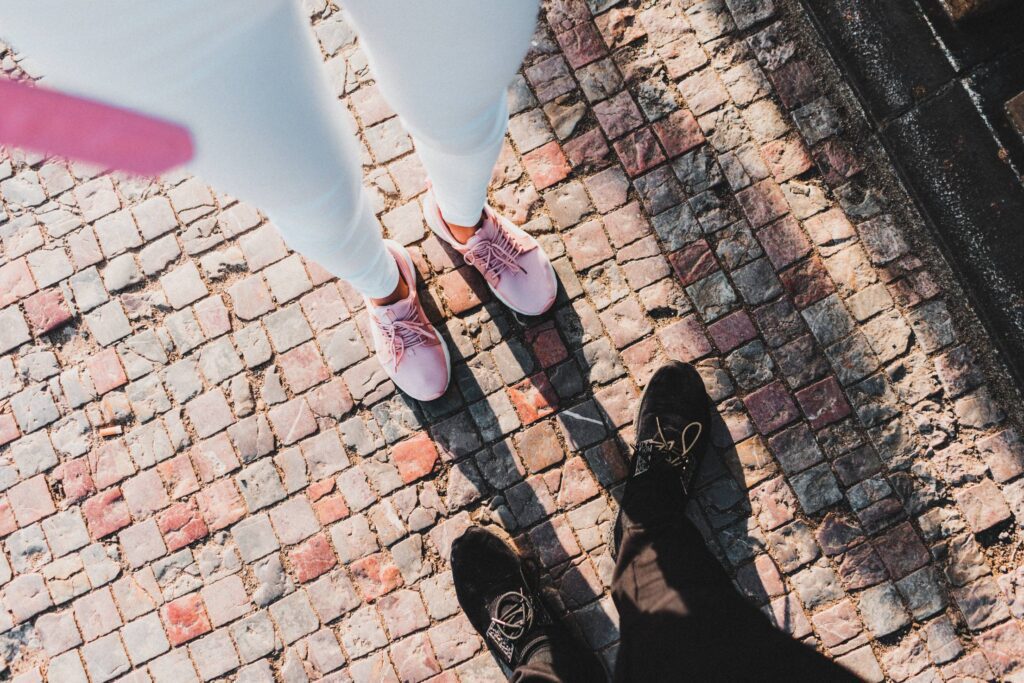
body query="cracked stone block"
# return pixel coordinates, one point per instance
(333, 595)
(214, 654)
(117, 233)
(750, 365)
(1004, 454)
(260, 485)
(983, 505)
(144, 639)
(271, 582)
(154, 217)
(757, 282)
(66, 532)
(982, 603)
(255, 636)
(932, 325)
(793, 546)
(816, 488)
(294, 616)
(105, 658)
(288, 279)
(34, 408)
(817, 585)
(108, 323)
(924, 592)
(185, 619)
(25, 596)
(882, 240)
(255, 537)
(294, 520)
(32, 454)
(882, 610)
(58, 632)
(28, 550)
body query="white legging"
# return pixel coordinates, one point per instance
(246, 78)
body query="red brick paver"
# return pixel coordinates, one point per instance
(214, 478)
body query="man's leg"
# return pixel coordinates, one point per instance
(512, 618)
(564, 661)
(679, 613)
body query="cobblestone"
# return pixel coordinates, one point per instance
(271, 506)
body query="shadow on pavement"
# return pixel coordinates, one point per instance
(522, 483)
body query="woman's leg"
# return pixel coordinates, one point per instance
(444, 66)
(247, 80)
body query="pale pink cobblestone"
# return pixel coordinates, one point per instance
(203, 471)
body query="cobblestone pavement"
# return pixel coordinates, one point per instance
(206, 475)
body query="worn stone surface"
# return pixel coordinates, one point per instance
(264, 502)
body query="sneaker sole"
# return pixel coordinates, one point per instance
(444, 345)
(436, 229)
(542, 311)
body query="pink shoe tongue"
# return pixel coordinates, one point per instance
(400, 310)
(486, 233)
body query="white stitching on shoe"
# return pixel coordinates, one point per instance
(511, 617)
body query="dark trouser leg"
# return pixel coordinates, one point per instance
(565, 660)
(540, 671)
(680, 615)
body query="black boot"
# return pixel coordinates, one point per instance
(510, 616)
(673, 433)
(673, 422)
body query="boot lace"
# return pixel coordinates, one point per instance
(401, 334)
(512, 615)
(493, 254)
(674, 451)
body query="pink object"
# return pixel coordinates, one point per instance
(409, 348)
(52, 122)
(512, 262)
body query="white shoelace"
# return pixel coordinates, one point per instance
(669, 447)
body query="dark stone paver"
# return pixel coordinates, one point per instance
(203, 463)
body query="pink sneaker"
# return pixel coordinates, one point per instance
(515, 267)
(408, 347)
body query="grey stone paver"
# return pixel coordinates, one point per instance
(14, 329)
(144, 638)
(225, 512)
